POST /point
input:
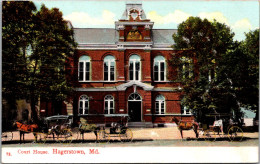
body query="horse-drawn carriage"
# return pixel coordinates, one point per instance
(58, 128)
(223, 126)
(54, 128)
(116, 131)
(218, 125)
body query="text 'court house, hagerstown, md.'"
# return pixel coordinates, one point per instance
(124, 72)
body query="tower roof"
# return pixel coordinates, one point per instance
(132, 8)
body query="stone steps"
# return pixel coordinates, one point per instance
(140, 125)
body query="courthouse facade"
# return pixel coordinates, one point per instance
(125, 72)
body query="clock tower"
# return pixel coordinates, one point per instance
(134, 28)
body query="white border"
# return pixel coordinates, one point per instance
(132, 155)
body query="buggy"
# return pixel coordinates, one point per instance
(117, 130)
(223, 125)
(58, 128)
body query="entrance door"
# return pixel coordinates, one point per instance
(135, 107)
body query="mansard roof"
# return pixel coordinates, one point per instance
(163, 36)
(110, 36)
(95, 35)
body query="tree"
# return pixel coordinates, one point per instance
(250, 47)
(241, 67)
(17, 20)
(205, 43)
(42, 49)
(53, 44)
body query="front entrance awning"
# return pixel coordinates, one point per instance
(123, 87)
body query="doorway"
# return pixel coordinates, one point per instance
(135, 107)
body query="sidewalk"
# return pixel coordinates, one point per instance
(166, 133)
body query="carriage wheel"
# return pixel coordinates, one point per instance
(103, 136)
(40, 138)
(7, 136)
(126, 135)
(235, 133)
(209, 135)
(65, 136)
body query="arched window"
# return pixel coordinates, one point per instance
(109, 104)
(134, 68)
(160, 105)
(159, 68)
(134, 97)
(83, 104)
(84, 68)
(109, 68)
(186, 68)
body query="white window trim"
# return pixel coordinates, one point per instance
(108, 108)
(185, 109)
(131, 96)
(159, 70)
(134, 69)
(83, 107)
(160, 106)
(84, 70)
(109, 72)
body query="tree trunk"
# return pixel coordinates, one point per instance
(33, 105)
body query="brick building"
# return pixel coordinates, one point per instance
(125, 72)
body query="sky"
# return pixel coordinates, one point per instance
(240, 16)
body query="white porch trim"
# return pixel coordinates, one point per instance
(123, 87)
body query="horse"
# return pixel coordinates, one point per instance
(26, 128)
(185, 125)
(57, 130)
(88, 128)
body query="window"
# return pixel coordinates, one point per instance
(134, 97)
(185, 110)
(160, 105)
(134, 68)
(109, 104)
(83, 104)
(186, 68)
(84, 68)
(159, 68)
(109, 68)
